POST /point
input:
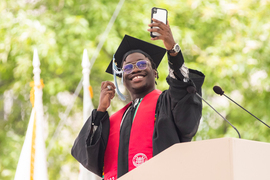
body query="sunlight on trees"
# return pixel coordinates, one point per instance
(227, 40)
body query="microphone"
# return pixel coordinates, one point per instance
(219, 91)
(192, 90)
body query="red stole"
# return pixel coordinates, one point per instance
(140, 143)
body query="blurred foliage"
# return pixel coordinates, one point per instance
(227, 40)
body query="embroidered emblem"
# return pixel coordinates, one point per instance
(138, 159)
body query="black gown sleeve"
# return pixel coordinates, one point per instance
(186, 108)
(178, 113)
(175, 63)
(89, 147)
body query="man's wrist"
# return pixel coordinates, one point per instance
(101, 109)
(175, 50)
(173, 53)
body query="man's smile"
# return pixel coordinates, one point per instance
(136, 78)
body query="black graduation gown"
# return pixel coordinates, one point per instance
(178, 116)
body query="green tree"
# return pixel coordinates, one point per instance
(226, 40)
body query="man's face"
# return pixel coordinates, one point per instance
(139, 81)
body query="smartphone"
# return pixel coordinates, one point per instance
(159, 14)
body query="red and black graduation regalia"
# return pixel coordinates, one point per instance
(177, 116)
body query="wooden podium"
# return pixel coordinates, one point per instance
(215, 159)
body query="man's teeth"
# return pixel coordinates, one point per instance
(137, 77)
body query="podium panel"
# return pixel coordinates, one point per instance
(215, 159)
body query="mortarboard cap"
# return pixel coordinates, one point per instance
(130, 43)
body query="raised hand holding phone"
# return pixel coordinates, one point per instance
(164, 31)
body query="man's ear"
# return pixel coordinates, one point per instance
(156, 75)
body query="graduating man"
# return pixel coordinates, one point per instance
(153, 121)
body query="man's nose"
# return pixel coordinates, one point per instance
(135, 69)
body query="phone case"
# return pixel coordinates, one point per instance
(159, 14)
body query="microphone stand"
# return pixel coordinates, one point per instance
(219, 114)
(219, 91)
(246, 110)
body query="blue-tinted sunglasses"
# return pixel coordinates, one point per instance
(128, 68)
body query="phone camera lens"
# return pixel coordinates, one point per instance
(155, 10)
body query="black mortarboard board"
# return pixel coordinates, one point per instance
(130, 43)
